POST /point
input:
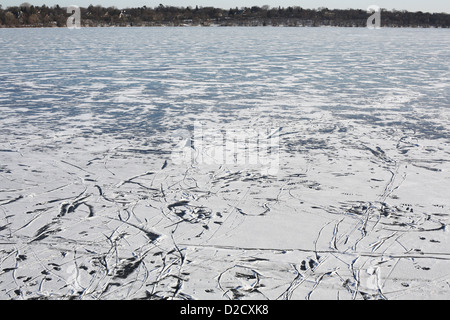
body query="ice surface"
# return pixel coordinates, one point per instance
(93, 205)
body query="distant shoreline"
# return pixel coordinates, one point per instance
(168, 16)
(218, 26)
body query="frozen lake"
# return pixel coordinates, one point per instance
(105, 192)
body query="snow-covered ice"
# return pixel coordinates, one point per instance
(93, 205)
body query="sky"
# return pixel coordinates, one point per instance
(410, 5)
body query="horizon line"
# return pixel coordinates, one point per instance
(320, 8)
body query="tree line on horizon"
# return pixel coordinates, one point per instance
(27, 15)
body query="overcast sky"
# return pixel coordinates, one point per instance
(410, 5)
